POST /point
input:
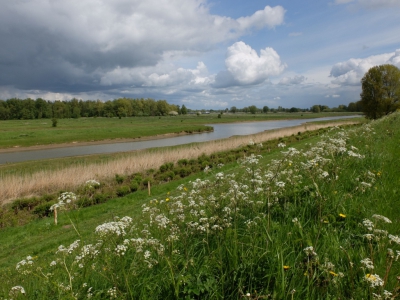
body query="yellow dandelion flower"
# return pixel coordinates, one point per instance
(379, 173)
(342, 216)
(185, 188)
(333, 273)
(286, 268)
(166, 200)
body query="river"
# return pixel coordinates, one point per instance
(220, 131)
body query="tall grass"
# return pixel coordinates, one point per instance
(70, 177)
(316, 223)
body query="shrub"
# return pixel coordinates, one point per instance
(119, 179)
(28, 203)
(184, 172)
(84, 202)
(183, 162)
(134, 186)
(43, 210)
(101, 198)
(123, 190)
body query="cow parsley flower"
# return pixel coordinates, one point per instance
(367, 263)
(382, 218)
(374, 280)
(15, 290)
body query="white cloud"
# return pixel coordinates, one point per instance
(351, 71)
(245, 67)
(269, 17)
(297, 79)
(295, 34)
(162, 75)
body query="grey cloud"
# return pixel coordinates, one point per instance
(71, 45)
(297, 79)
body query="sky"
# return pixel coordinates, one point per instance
(204, 54)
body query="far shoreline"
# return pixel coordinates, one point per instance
(125, 140)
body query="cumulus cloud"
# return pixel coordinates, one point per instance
(161, 75)
(269, 17)
(297, 79)
(72, 46)
(351, 71)
(245, 67)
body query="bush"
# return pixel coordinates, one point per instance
(167, 176)
(134, 186)
(84, 202)
(184, 172)
(54, 122)
(123, 190)
(182, 162)
(43, 210)
(119, 179)
(166, 166)
(101, 198)
(21, 204)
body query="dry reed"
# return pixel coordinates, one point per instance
(68, 179)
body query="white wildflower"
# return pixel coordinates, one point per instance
(379, 217)
(394, 238)
(369, 224)
(367, 263)
(374, 280)
(15, 290)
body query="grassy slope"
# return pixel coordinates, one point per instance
(24, 133)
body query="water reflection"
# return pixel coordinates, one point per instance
(220, 131)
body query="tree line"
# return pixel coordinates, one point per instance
(352, 107)
(15, 109)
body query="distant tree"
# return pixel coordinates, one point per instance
(352, 107)
(315, 109)
(380, 91)
(184, 110)
(253, 109)
(265, 109)
(59, 109)
(4, 111)
(233, 109)
(43, 108)
(323, 107)
(162, 107)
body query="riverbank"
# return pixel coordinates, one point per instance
(20, 134)
(100, 142)
(39, 179)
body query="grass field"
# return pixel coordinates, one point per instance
(314, 221)
(26, 133)
(40, 177)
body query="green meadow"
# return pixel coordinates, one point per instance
(26, 133)
(311, 219)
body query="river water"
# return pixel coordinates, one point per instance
(220, 131)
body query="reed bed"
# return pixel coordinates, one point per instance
(50, 181)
